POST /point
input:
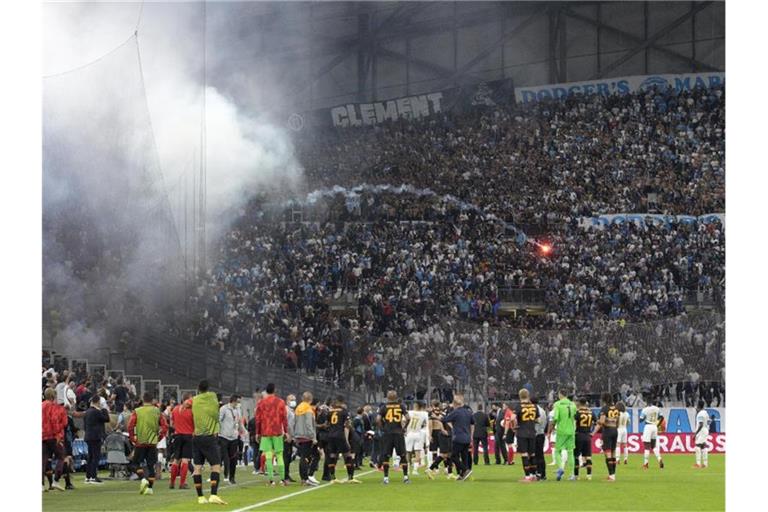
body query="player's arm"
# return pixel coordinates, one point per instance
(699, 426)
(163, 427)
(284, 421)
(472, 427)
(132, 427)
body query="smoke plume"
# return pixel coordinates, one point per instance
(121, 153)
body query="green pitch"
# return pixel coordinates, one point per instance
(677, 487)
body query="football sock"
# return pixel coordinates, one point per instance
(214, 483)
(183, 473)
(576, 470)
(151, 481)
(49, 476)
(350, 463)
(697, 450)
(174, 472)
(332, 467)
(657, 452)
(386, 469)
(404, 465)
(198, 479)
(526, 467)
(704, 456)
(563, 458)
(589, 466)
(645, 456)
(611, 462)
(435, 463)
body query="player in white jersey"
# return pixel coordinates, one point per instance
(701, 435)
(650, 415)
(552, 437)
(622, 429)
(415, 435)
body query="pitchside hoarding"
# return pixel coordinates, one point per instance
(678, 436)
(668, 443)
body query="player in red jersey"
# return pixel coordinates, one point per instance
(54, 422)
(183, 425)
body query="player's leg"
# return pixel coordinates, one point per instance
(197, 476)
(511, 448)
(386, 452)
(213, 455)
(305, 454)
(499, 450)
(331, 458)
(704, 455)
(278, 448)
(646, 445)
(587, 452)
(267, 449)
(349, 462)
(47, 471)
(541, 464)
(234, 452)
(400, 449)
(562, 451)
(697, 451)
(475, 450)
(555, 451)
(151, 458)
(576, 454)
(657, 451)
(486, 455)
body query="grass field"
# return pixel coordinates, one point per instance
(677, 487)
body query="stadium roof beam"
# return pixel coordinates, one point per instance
(328, 45)
(643, 44)
(349, 44)
(463, 70)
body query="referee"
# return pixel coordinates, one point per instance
(205, 411)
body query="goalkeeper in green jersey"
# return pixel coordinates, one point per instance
(564, 424)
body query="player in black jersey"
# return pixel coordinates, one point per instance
(585, 422)
(524, 420)
(392, 416)
(442, 435)
(337, 441)
(608, 423)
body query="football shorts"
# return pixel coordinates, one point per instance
(701, 437)
(650, 432)
(414, 442)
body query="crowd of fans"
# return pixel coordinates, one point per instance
(400, 260)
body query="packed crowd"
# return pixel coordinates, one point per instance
(580, 156)
(429, 241)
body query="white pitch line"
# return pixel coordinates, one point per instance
(291, 495)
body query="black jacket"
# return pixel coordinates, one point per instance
(481, 425)
(94, 423)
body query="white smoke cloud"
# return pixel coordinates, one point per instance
(99, 150)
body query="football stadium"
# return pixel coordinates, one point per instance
(383, 256)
